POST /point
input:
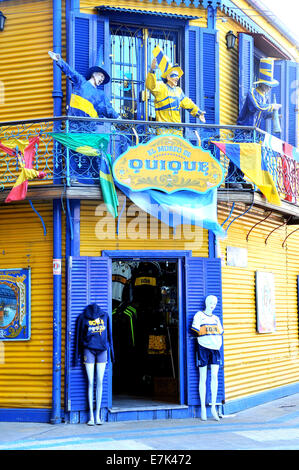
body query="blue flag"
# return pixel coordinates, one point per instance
(181, 207)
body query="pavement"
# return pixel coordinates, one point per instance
(271, 426)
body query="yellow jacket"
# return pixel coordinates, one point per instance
(168, 100)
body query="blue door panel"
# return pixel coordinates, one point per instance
(88, 280)
(203, 278)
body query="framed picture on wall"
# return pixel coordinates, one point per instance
(15, 304)
(265, 302)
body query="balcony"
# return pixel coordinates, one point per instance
(75, 176)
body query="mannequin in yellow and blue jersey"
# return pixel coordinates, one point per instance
(169, 99)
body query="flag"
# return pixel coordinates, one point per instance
(272, 142)
(251, 159)
(94, 145)
(87, 144)
(19, 190)
(107, 185)
(290, 151)
(181, 207)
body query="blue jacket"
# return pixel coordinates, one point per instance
(254, 109)
(86, 100)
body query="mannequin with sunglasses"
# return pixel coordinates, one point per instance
(169, 98)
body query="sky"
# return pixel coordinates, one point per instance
(287, 11)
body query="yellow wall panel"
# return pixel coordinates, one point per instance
(256, 362)
(137, 231)
(26, 366)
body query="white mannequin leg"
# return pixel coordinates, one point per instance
(214, 389)
(99, 390)
(202, 391)
(90, 375)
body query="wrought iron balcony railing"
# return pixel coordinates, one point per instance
(67, 167)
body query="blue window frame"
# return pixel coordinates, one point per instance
(131, 53)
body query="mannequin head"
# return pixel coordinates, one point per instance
(211, 302)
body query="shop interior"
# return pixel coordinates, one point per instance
(145, 322)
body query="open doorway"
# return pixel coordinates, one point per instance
(145, 326)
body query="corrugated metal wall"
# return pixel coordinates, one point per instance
(257, 362)
(137, 231)
(26, 374)
(25, 67)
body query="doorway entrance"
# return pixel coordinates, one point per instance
(145, 328)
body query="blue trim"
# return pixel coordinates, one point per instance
(258, 399)
(57, 290)
(38, 214)
(73, 228)
(57, 90)
(146, 254)
(212, 244)
(25, 415)
(180, 256)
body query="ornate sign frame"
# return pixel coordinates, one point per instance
(15, 304)
(168, 163)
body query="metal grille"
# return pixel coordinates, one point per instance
(131, 54)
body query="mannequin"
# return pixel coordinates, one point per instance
(209, 333)
(94, 339)
(100, 370)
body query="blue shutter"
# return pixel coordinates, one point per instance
(210, 68)
(292, 77)
(102, 50)
(287, 73)
(88, 281)
(279, 72)
(246, 66)
(203, 277)
(193, 75)
(202, 74)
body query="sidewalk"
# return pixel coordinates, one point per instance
(270, 426)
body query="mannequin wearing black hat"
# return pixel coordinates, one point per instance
(87, 99)
(256, 107)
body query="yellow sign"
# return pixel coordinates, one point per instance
(168, 163)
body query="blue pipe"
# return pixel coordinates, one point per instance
(57, 255)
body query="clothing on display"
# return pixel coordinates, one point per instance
(93, 331)
(121, 272)
(209, 330)
(86, 99)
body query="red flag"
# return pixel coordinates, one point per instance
(19, 190)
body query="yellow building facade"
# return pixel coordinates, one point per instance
(256, 366)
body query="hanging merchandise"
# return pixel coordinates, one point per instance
(121, 273)
(146, 284)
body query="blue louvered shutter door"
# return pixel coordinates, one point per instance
(210, 70)
(246, 66)
(88, 281)
(80, 45)
(193, 73)
(292, 77)
(203, 277)
(81, 42)
(279, 73)
(102, 51)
